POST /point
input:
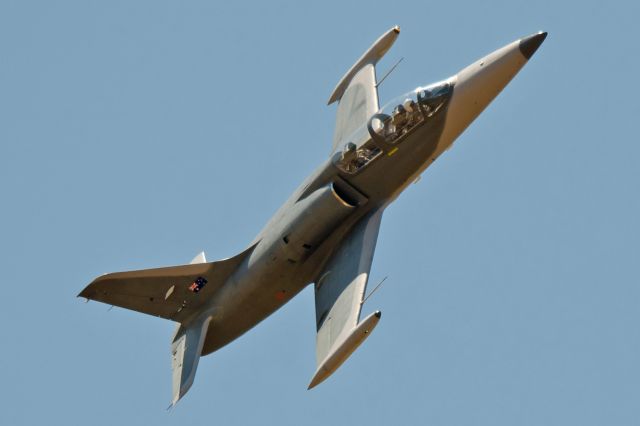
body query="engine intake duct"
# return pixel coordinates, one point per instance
(317, 215)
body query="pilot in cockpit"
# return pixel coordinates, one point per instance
(411, 111)
(423, 97)
(399, 118)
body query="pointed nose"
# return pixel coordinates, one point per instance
(530, 44)
(478, 84)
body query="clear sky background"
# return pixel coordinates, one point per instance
(136, 134)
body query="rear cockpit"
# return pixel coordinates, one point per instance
(353, 157)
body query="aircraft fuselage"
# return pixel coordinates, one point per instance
(326, 232)
(276, 271)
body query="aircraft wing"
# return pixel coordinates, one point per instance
(357, 91)
(359, 102)
(339, 293)
(173, 292)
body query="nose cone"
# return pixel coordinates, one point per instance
(479, 83)
(530, 44)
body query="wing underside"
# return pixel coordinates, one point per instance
(358, 103)
(339, 292)
(357, 90)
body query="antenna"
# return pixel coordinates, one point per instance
(389, 72)
(374, 290)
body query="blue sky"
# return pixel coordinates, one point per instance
(135, 134)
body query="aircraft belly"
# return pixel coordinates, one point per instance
(269, 278)
(261, 286)
(239, 319)
(276, 270)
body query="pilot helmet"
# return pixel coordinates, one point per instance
(350, 147)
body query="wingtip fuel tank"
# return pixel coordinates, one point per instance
(345, 348)
(371, 56)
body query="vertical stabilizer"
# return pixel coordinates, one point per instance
(185, 354)
(200, 258)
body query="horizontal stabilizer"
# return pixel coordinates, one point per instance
(174, 292)
(185, 355)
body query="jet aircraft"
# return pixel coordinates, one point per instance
(325, 233)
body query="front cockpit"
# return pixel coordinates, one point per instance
(353, 158)
(405, 113)
(391, 124)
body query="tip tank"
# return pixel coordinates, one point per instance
(344, 348)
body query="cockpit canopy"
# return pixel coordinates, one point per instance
(393, 121)
(402, 114)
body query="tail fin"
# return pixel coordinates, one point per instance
(200, 258)
(185, 354)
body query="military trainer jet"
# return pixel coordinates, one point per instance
(326, 232)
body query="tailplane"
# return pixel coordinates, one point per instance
(176, 293)
(179, 293)
(185, 354)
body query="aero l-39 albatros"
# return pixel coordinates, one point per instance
(326, 232)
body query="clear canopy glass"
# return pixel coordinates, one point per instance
(404, 113)
(393, 121)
